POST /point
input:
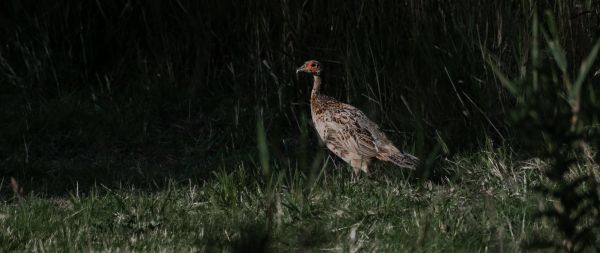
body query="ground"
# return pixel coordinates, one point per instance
(486, 204)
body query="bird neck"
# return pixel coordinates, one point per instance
(316, 86)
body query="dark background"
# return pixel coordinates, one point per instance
(113, 92)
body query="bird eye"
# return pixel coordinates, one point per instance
(313, 65)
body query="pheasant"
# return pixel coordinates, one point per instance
(347, 132)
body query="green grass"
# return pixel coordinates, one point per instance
(132, 125)
(486, 206)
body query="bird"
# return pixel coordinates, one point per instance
(347, 132)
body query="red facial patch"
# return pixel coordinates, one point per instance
(312, 66)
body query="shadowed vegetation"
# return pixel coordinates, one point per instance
(133, 124)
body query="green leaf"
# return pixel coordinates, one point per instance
(584, 69)
(559, 55)
(507, 83)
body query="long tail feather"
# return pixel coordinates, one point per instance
(403, 160)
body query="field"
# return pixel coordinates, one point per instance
(486, 206)
(176, 126)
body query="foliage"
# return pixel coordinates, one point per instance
(560, 114)
(487, 206)
(104, 91)
(133, 125)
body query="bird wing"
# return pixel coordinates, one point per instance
(349, 128)
(348, 133)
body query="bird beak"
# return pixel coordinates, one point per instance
(300, 69)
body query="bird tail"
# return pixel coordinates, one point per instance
(402, 160)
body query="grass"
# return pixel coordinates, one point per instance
(131, 125)
(486, 206)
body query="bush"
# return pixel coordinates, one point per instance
(557, 116)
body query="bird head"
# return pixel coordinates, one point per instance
(312, 67)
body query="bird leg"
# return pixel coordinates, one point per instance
(355, 174)
(358, 165)
(356, 171)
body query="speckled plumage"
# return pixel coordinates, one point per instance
(347, 132)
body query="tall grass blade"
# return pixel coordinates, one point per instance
(263, 151)
(585, 68)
